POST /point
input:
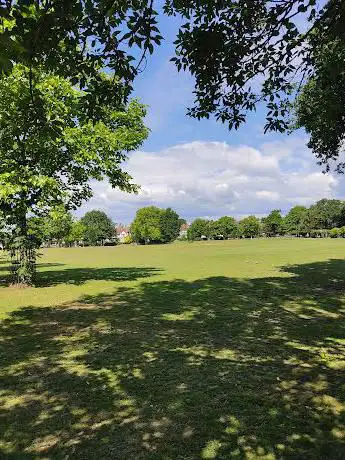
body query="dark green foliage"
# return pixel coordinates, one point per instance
(273, 223)
(223, 228)
(199, 229)
(293, 220)
(226, 45)
(320, 107)
(97, 227)
(76, 38)
(250, 227)
(170, 225)
(328, 213)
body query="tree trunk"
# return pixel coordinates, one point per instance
(23, 254)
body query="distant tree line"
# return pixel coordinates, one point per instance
(60, 228)
(153, 225)
(326, 218)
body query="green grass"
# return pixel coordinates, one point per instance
(206, 350)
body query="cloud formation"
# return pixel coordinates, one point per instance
(211, 179)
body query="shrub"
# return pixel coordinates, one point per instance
(127, 240)
(342, 232)
(334, 233)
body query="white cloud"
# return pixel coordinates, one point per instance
(214, 179)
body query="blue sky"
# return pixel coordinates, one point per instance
(200, 168)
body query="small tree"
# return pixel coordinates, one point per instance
(334, 232)
(250, 227)
(51, 147)
(293, 220)
(198, 229)
(76, 234)
(58, 225)
(97, 227)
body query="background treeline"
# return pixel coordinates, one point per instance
(60, 228)
(326, 218)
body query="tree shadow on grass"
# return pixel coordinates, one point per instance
(216, 368)
(5, 276)
(78, 276)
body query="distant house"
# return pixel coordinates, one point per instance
(183, 230)
(122, 232)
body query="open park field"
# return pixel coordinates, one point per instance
(210, 350)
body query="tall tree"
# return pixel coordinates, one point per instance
(327, 214)
(225, 227)
(199, 228)
(57, 225)
(293, 220)
(250, 227)
(170, 225)
(146, 227)
(97, 227)
(273, 223)
(50, 149)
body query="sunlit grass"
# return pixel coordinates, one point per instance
(215, 351)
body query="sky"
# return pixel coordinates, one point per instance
(200, 168)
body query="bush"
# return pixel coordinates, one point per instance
(334, 233)
(342, 232)
(127, 240)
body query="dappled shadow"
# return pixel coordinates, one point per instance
(215, 368)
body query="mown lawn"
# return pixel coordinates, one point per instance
(211, 350)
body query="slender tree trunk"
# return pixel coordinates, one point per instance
(23, 254)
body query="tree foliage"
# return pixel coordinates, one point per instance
(294, 219)
(273, 223)
(320, 107)
(224, 228)
(250, 227)
(327, 214)
(97, 227)
(226, 45)
(199, 228)
(50, 149)
(57, 225)
(170, 225)
(155, 225)
(76, 234)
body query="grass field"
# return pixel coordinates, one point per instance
(211, 350)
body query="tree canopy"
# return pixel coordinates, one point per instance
(97, 227)
(240, 53)
(223, 228)
(273, 223)
(48, 158)
(199, 228)
(294, 220)
(50, 149)
(250, 227)
(155, 225)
